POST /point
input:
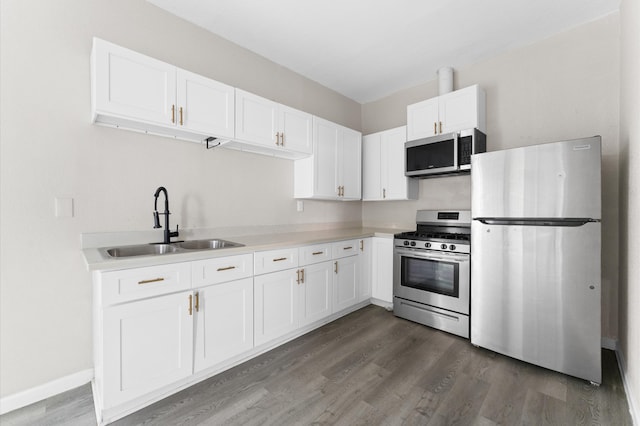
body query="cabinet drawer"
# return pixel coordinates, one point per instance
(345, 248)
(219, 270)
(315, 254)
(275, 260)
(138, 283)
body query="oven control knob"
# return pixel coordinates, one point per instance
(413, 243)
(443, 246)
(452, 247)
(406, 243)
(427, 245)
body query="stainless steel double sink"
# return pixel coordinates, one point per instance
(154, 249)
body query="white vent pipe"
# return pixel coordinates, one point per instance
(445, 80)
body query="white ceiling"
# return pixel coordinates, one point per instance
(367, 49)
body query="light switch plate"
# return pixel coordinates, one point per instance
(64, 207)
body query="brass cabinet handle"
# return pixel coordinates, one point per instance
(361, 245)
(384, 192)
(336, 266)
(197, 301)
(173, 114)
(435, 128)
(181, 123)
(315, 253)
(190, 304)
(298, 276)
(347, 248)
(155, 280)
(441, 127)
(277, 138)
(282, 139)
(302, 276)
(280, 259)
(226, 268)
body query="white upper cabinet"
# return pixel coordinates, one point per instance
(267, 127)
(204, 105)
(457, 110)
(334, 170)
(383, 158)
(136, 92)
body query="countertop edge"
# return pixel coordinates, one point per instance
(96, 261)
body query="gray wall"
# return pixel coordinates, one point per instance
(564, 87)
(630, 197)
(50, 149)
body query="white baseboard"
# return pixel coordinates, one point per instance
(44, 391)
(382, 303)
(609, 343)
(632, 397)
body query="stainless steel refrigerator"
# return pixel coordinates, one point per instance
(535, 255)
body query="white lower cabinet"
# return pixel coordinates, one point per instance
(224, 322)
(316, 292)
(147, 344)
(160, 328)
(366, 266)
(382, 273)
(345, 287)
(276, 304)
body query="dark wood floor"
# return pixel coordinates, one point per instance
(369, 368)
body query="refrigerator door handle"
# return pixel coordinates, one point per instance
(534, 221)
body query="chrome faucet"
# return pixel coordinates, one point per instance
(156, 216)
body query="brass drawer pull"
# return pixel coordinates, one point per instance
(336, 265)
(435, 128)
(197, 301)
(226, 268)
(348, 248)
(280, 259)
(315, 253)
(155, 280)
(361, 245)
(181, 122)
(302, 276)
(173, 114)
(190, 304)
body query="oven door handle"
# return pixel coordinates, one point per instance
(422, 255)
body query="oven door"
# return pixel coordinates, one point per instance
(434, 278)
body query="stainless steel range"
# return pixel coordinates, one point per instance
(431, 271)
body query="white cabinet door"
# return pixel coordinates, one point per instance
(422, 119)
(224, 322)
(327, 139)
(316, 292)
(346, 278)
(296, 130)
(395, 185)
(459, 110)
(383, 170)
(256, 119)
(129, 85)
(334, 170)
(371, 167)
(275, 305)
(350, 164)
(451, 112)
(148, 344)
(382, 280)
(204, 105)
(366, 268)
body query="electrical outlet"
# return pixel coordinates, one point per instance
(300, 205)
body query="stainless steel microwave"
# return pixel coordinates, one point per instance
(448, 153)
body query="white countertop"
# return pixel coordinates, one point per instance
(97, 260)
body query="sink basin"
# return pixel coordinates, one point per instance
(177, 247)
(207, 244)
(141, 250)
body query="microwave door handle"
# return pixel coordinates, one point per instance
(456, 142)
